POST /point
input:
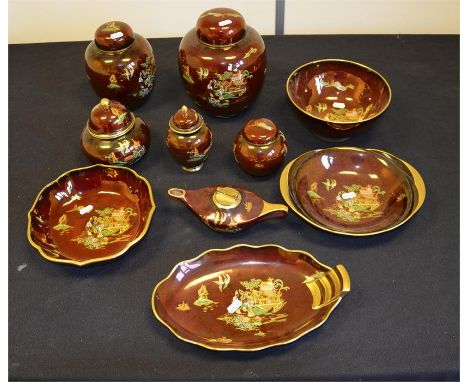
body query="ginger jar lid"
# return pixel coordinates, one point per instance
(185, 121)
(110, 119)
(220, 26)
(114, 35)
(260, 131)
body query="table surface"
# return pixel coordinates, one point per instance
(401, 319)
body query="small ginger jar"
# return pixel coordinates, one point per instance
(222, 62)
(114, 135)
(188, 139)
(120, 64)
(259, 148)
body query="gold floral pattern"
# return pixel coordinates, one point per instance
(106, 227)
(222, 340)
(251, 51)
(256, 305)
(130, 151)
(202, 73)
(183, 307)
(226, 86)
(223, 281)
(186, 74)
(146, 78)
(203, 301)
(357, 202)
(334, 84)
(345, 115)
(62, 225)
(330, 184)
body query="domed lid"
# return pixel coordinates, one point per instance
(260, 131)
(110, 119)
(114, 35)
(220, 26)
(185, 121)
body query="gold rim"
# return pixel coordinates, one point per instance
(198, 125)
(112, 52)
(173, 331)
(113, 135)
(416, 176)
(349, 62)
(225, 46)
(98, 259)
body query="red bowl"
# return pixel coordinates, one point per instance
(90, 214)
(338, 94)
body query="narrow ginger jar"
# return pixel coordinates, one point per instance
(222, 62)
(120, 64)
(188, 139)
(114, 135)
(260, 147)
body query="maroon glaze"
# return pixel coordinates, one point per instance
(259, 148)
(114, 135)
(222, 62)
(341, 94)
(248, 298)
(351, 190)
(188, 139)
(90, 214)
(226, 208)
(120, 64)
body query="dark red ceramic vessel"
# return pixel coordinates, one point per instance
(222, 62)
(259, 148)
(90, 214)
(248, 298)
(188, 139)
(120, 64)
(114, 135)
(352, 191)
(336, 97)
(226, 208)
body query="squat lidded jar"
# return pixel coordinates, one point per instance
(222, 62)
(188, 139)
(120, 64)
(259, 148)
(114, 135)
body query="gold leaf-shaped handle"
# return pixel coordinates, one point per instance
(328, 287)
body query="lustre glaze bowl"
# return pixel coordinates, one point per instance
(90, 214)
(338, 94)
(352, 191)
(247, 297)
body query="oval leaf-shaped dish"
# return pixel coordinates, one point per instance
(90, 214)
(352, 191)
(226, 208)
(248, 297)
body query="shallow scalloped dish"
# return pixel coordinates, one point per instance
(352, 191)
(90, 214)
(248, 298)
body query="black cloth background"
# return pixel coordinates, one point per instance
(401, 319)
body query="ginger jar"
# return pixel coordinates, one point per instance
(260, 147)
(222, 62)
(120, 64)
(114, 135)
(188, 139)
